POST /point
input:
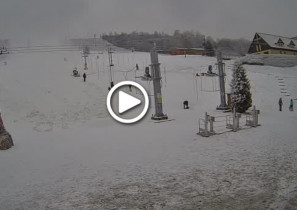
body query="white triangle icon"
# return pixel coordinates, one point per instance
(127, 102)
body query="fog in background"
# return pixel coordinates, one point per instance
(28, 21)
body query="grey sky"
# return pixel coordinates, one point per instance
(51, 19)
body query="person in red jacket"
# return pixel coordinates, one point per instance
(2, 128)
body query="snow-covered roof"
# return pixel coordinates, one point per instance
(273, 40)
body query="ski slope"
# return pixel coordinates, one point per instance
(70, 154)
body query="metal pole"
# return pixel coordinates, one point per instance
(85, 59)
(85, 55)
(236, 117)
(255, 117)
(94, 42)
(97, 68)
(206, 124)
(223, 105)
(234, 121)
(110, 66)
(156, 76)
(211, 120)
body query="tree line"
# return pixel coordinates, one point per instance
(143, 41)
(4, 43)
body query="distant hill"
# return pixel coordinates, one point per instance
(142, 41)
(93, 44)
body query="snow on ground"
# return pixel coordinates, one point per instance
(270, 60)
(69, 154)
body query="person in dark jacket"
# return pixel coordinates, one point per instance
(186, 104)
(280, 103)
(84, 76)
(291, 105)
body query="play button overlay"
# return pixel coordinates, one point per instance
(127, 102)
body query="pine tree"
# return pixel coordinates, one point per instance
(209, 48)
(240, 87)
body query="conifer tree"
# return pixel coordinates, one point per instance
(240, 89)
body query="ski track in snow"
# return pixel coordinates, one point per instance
(69, 154)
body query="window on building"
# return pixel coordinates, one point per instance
(291, 44)
(280, 42)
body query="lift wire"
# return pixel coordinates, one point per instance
(41, 51)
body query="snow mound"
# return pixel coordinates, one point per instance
(269, 60)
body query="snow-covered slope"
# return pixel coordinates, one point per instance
(270, 60)
(69, 154)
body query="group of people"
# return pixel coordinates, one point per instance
(280, 103)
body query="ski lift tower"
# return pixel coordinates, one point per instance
(110, 52)
(86, 52)
(221, 67)
(156, 77)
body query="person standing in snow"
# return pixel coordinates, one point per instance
(209, 71)
(291, 105)
(280, 103)
(84, 76)
(137, 67)
(186, 104)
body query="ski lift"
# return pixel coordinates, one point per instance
(208, 81)
(209, 84)
(146, 75)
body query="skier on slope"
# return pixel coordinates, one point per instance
(291, 105)
(84, 76)
(280, 103)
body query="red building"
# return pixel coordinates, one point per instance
(188, 51)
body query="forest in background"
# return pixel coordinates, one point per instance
(143, 41)
(4, 43)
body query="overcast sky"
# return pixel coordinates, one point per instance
(51, 19)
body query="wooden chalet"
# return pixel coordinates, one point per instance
(272, 44)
